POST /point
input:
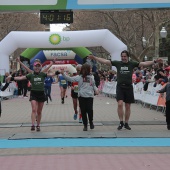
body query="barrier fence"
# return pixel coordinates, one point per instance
(150, 96)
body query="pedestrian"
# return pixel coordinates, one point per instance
(167, 90)
(37, 95)
(25, 86)
(74, 95)
(124, 89)
(86, 89)
(20, 84)
(47, 85)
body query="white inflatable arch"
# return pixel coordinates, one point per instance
(65, 39)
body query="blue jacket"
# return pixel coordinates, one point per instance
(48, 81)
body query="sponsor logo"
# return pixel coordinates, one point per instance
(37, 79)
(56, 39)
(124, 68)
(59, 54)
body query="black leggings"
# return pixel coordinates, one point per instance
(86, 106)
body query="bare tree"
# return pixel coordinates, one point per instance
(19, 22)
(128, 26)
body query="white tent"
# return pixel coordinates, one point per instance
(65, 39)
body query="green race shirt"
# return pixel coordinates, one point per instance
(37, 81)
(124, 71)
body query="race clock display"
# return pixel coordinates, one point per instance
(52, 17)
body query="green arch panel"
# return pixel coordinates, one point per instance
(31, 52)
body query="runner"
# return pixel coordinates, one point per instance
(37, 95)
(74, 95)
(63, 86)
(86, 89)
(124, 89)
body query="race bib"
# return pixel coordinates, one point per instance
(63, 81)
(76, 88)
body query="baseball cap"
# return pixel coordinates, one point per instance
(37, 63)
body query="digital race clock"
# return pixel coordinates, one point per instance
(51, 17)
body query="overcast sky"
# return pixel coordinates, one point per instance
(57, 27)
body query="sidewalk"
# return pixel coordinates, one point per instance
(58, 125)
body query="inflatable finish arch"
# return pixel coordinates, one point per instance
(44, 55)
(65, 39)
(63, 56)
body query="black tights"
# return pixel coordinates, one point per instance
(86, 106)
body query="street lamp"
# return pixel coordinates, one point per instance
(163, 34)
(144, 42)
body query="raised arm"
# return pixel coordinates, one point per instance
(100, 60)
(51, 63)
(23, 65)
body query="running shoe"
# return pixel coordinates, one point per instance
(75, 116)
(120, 126)
(80, 120)
(126, 126)
(32, 128)
(38, 128)
(91, 125)
(85, 128)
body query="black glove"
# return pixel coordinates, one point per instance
(57, 72)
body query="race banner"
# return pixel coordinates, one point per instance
(34, 5)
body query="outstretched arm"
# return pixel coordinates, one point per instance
(6, 84)
(100, 60)
(148, 63)
(9, 78)
(71, 79)
(23, 65)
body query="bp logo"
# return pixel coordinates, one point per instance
(55, 39)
